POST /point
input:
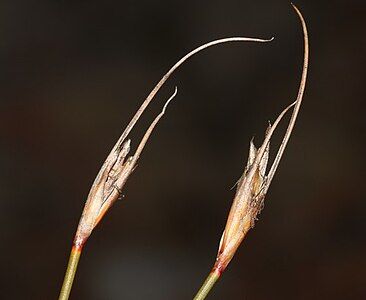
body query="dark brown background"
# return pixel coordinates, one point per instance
(72, 75)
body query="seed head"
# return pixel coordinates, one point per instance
(249, 198)
(252, 187)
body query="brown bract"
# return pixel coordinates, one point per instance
(254, 183)
(249, 198)
(108, 184)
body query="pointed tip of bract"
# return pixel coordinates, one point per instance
(252, 153)
(127, 145)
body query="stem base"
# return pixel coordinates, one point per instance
(208, 284)
(70, 273)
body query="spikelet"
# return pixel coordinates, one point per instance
(252, 187)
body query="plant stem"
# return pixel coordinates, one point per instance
(70, 273)
(207, 285)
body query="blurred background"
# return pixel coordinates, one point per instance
(72, 75)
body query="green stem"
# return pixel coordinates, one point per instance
(207, 285)
(70, 273)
